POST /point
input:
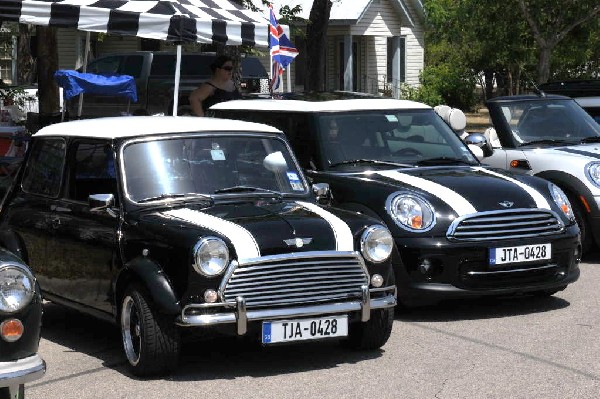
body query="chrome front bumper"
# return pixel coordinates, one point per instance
(17, 372)
(237, 313)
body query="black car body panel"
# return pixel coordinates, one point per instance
(207, 224)
(392, 149)
(19, 361)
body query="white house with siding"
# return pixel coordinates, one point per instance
(373, 46)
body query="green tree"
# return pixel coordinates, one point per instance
(551, 22)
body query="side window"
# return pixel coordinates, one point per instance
(43, 172)
(93, 170)
(105, 66)
(132, 66)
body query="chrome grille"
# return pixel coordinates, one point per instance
(296, 279)
(501, 225)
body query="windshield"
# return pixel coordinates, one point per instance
(232, 165)
(391, 137)
(548, 121)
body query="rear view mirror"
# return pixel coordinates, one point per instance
(322, 192)
(478, 140)
(275, 162)
(101, 202)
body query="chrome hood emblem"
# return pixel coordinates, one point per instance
(506, 204)
(298, 242)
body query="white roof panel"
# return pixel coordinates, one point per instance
(320, 106)
(134, 126)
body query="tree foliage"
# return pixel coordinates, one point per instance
(495, 42)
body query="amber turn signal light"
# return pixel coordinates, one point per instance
(520, 164)
(11, 330)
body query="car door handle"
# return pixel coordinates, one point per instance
(55, 223)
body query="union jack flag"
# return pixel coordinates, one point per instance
(276, 76)
(283, 51)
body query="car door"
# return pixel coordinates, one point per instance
(30, 211)
(86, 246)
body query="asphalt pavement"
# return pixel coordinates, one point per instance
(520, 347)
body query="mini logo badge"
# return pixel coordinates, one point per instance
(506, 204)
(298, 242)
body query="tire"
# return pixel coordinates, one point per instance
(372, 334)
(583, 223)
(6, 394)
(151, 340)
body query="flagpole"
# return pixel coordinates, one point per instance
(289, 79)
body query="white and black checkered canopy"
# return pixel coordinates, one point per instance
(204, 21)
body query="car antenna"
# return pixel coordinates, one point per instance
(536, 89)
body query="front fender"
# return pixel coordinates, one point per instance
(570, 184)
(151, 275)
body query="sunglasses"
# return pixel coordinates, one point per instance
(227, 68)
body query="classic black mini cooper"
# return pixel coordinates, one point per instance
(461, 229)
(20, 323)
(163, 223)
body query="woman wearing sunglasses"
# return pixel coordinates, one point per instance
(220, 87)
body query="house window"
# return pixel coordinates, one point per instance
(6, 57)
(390, 56)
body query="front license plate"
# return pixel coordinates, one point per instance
(520, 254)
(303, 329)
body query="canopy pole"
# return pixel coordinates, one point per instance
(85, 62)
(177, 76)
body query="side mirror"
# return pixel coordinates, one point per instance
(478, 140)
(322, 192)
(100, 202)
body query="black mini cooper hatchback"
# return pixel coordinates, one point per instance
(169, 223)
(461, 229)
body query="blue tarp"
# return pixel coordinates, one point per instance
(75, 83)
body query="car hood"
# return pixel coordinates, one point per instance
(584, 152)
(468, 190)
(257, 229)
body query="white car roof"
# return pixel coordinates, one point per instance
(319, 106)
(134, 126)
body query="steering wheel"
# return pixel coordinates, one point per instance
(408, 151)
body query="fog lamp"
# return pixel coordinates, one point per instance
(210, 296)
(376, 280)
(425, 266)
(11, 330)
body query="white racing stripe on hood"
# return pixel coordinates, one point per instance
(244, 243)
(539, 199)
(344, 241)
(456, 201)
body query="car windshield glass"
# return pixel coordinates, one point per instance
(178, 167)
(392, 137)
(552, 122)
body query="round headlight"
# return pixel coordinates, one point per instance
(560, 198)
(211, 256)
(411, 212)
(376, 244)
(592, 171)
(16, 287)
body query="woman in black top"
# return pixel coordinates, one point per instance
(217, 89)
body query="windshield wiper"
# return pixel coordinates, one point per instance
(544, 141)
(241, 189)
(178, 196)
(370, 161)
(443, 161)
(593, 139)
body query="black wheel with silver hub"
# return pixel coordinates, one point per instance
(150, 339)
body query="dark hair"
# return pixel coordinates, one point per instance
(219, 62)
